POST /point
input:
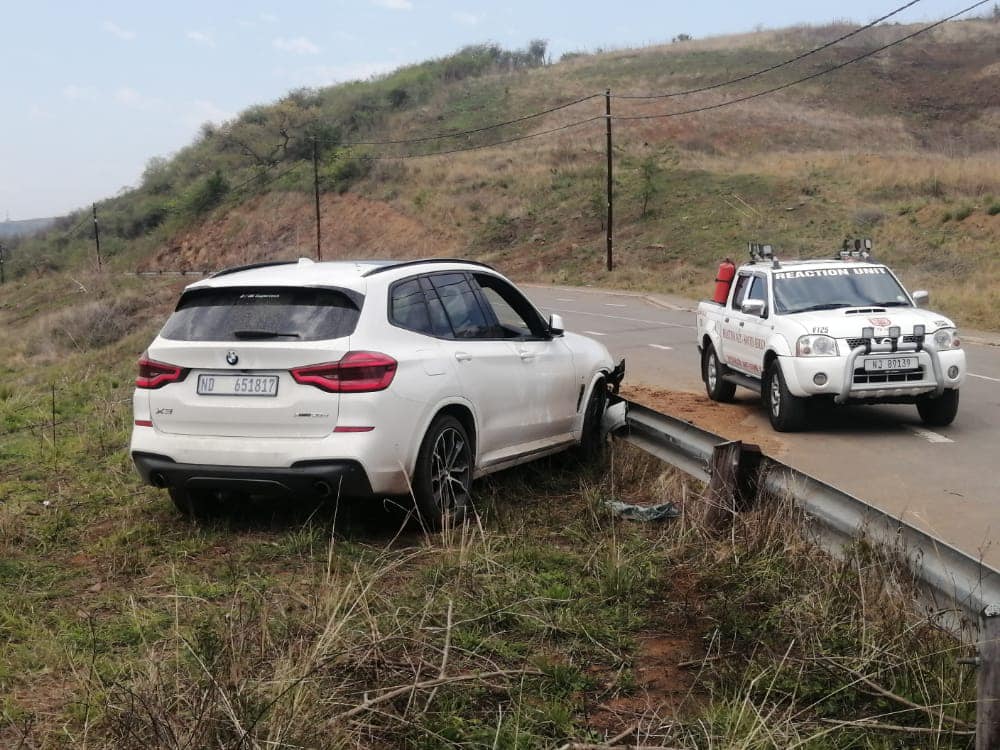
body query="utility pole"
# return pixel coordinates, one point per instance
(611, 205)
(97, 237)
(319, 250)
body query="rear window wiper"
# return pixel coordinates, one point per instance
(262, 334)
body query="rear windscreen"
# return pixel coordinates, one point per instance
(258, 313)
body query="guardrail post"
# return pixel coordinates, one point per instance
(733, 484)
(988, 680)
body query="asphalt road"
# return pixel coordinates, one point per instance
(942, 480)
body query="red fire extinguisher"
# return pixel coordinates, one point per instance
(727, 270)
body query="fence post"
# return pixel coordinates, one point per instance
(611, 193)
(988, 680)
(732, 486)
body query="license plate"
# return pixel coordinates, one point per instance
(888, 364)
(238, 385)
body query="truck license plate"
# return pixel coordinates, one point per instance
(238, 385)
(889, 364)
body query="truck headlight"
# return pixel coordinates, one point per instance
(816, 346)
(947, 338)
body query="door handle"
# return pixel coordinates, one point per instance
(526, 355)
(463, 357)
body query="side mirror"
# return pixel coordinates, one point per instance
(556, 325)
(753, 307)
(921, 298)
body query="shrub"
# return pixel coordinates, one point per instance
(963, 213)
(206, 194)
(994, 209)
(96, 324)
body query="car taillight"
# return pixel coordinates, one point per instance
(153, 374)
(356, 372)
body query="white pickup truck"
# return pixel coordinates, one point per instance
(842, 331)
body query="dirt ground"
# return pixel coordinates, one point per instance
(740, 420)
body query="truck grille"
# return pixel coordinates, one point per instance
(862, 377)
(853, 343)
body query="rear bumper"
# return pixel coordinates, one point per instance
(326, 478)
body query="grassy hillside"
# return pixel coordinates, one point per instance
(901, 147)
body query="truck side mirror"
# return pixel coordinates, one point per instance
(921, 298)
(753, 307)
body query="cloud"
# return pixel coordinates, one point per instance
(134, 100)
(466, 19)
(268, 18)
(394, 4)
(203, 38)
(80, 93)
(298, 45)
(202, 110)
(118, 31)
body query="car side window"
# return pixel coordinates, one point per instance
(758, 290)
(741, 287)
(516, 317)
(461, 306)
(408, 307)
(439, 319)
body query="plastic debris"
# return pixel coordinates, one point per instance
(644, 512)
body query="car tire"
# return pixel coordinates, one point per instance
(786, 411)
(443, 476)
(592, 444)
(712, 371)
(940, 411)
(195, 504)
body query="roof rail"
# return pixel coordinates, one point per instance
(403, 263)
(250, 267)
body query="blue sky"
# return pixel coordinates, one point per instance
(92, 91)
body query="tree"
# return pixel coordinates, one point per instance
(682, 38)
(536, 51)
(649, 188)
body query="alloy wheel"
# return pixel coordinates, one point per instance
(450, 475)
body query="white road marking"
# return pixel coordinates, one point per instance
(620, 317)
(563, 299)
(984, 377)
(930, 437)
(612, 304)
(661, 346)
(594, 333)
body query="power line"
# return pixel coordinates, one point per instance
(824, 72)
(772, 68)
(494, 143)
(473, 131)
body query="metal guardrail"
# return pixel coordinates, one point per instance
(946, 573)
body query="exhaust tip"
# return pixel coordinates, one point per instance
(323, 489)
(158, 480)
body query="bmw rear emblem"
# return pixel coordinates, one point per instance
(232, 358)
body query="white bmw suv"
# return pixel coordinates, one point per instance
(367, 378)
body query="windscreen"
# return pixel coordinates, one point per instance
(258, 313)
(831, 288)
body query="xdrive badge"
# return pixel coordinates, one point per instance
(232, 358)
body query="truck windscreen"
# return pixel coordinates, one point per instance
(832, 288)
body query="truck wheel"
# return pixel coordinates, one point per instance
(940, 411)
(786, 412)
(443, 474)
(711, 372)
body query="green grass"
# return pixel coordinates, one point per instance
(122, 624)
